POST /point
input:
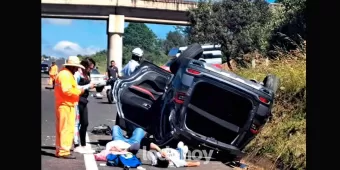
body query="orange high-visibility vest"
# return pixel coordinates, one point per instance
(65, 89)
(53, 70)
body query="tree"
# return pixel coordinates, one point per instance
(232, 23)
(291, 33)
(173, 39)
(139, 35)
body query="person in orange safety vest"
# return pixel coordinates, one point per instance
(66, 97)
(53, 73)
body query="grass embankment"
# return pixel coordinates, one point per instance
(283, 139)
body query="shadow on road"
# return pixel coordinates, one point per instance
(48, 153)
(103, 102)
(48, 147)
(100, 142)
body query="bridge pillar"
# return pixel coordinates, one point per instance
(115, 31)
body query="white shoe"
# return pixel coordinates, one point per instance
(180, 144)
(83, 150)
(99, 96)
(185, 151)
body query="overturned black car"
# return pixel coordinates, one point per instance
(204, 106)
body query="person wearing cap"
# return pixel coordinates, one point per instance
(66, 97)
(131, 66)
(53, 73)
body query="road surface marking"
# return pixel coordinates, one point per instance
(90, 162)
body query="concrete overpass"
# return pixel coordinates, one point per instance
(116, 12)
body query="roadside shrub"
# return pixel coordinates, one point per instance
(283, 139)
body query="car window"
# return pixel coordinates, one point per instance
(95, 71)
(173, 52)
(44, 65)
(211, 56)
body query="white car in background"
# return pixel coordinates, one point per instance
(99, 80)
(211, 55)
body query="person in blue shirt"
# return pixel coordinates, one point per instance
(132, 65)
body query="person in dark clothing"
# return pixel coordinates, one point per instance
(83, 79)
(112, 73)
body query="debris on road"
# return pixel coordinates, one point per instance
(140, 168)
(102, 164)
(102, 129)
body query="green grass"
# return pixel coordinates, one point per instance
(283, 139)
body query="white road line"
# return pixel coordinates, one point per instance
(90, 162)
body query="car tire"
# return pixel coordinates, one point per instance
(271, 82)
(193, 51)
(99, 89)
(109, 98)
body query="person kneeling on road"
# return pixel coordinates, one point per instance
(121, 145)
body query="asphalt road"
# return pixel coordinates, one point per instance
(100, 112)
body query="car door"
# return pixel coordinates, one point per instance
(139, 97)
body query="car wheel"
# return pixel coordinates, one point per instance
(193, 51)
(99, 89)
(271, 82)
(109, 97)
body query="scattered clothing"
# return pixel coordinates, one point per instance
(102, 155)
(128, 160)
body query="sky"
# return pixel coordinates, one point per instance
(65, 37)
